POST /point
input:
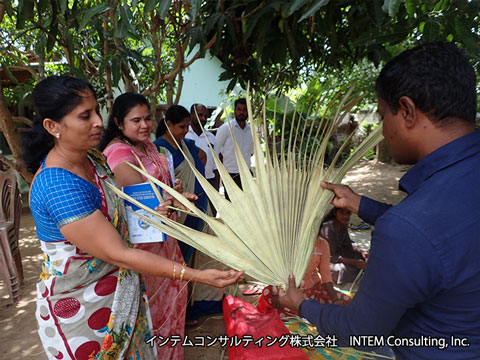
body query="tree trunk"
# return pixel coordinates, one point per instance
(383, 154)
(170, 87)
(12, 135)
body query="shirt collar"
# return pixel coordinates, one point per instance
(448, 155)
(192, 132)
(235, 123)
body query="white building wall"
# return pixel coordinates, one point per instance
(201, 84)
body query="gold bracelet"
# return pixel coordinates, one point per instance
(184, 266)
(174, 270)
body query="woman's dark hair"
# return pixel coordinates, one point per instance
(175, 114)
(330, 215)
(53, 98)
(437, 77)
(121, 107)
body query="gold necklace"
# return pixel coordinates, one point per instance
(86, 168)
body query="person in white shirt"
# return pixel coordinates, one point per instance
(198, 115)
(224, 145)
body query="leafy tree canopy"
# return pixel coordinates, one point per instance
(282, 42)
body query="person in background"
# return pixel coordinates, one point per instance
(128, 134)
(317, 282)
(346, 260)
(177, 120)
(318, 279)
(205, 299)
(224, 145)
(198, 120)
(90, 302)
(421, 288)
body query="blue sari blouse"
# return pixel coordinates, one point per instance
(202, 201)
(59, 197)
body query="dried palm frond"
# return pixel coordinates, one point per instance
(269, 228)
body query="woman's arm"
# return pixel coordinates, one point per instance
(324, 265)
(96, 236)
(361, 264)
(203, 156)
(125, 175)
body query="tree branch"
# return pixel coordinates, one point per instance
(108, 68)
(198, 54)
(22, 120)
(251, 12)
(2, 11)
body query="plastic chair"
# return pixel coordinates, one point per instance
(10, 212)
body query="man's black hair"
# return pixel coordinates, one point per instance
(192, 108)
(242, 101)
(437, 77)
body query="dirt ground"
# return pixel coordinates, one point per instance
(19, 340)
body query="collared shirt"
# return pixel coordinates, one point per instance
(422, 282)
(224, 144)
(202, 143)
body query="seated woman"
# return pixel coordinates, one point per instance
(317, 281)
(90, 302)
(346, 260)
(128, 134)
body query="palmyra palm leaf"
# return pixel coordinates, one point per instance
(269, 228)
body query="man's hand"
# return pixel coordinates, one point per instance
(345, 198)
(292, 298)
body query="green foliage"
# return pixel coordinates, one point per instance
(134, 45)
(281, 43)
(274, 45)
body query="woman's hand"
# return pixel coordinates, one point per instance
(219, 278)
(360, 264)
(292, 298)
(178, 186)
(177, 204)
(163, 208)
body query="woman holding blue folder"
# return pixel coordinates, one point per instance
(127, 138)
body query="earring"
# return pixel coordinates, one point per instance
(57, 135)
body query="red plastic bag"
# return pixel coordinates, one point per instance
(268, 335)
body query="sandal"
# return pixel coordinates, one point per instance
(360, 227)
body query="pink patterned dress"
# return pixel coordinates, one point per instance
(167, 297)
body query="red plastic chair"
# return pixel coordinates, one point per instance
(10, 212)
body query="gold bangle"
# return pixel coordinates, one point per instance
(184, 266)
(174, 271)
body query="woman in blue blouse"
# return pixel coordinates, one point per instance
(177, 119)
(171, 135)
(90, 301)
